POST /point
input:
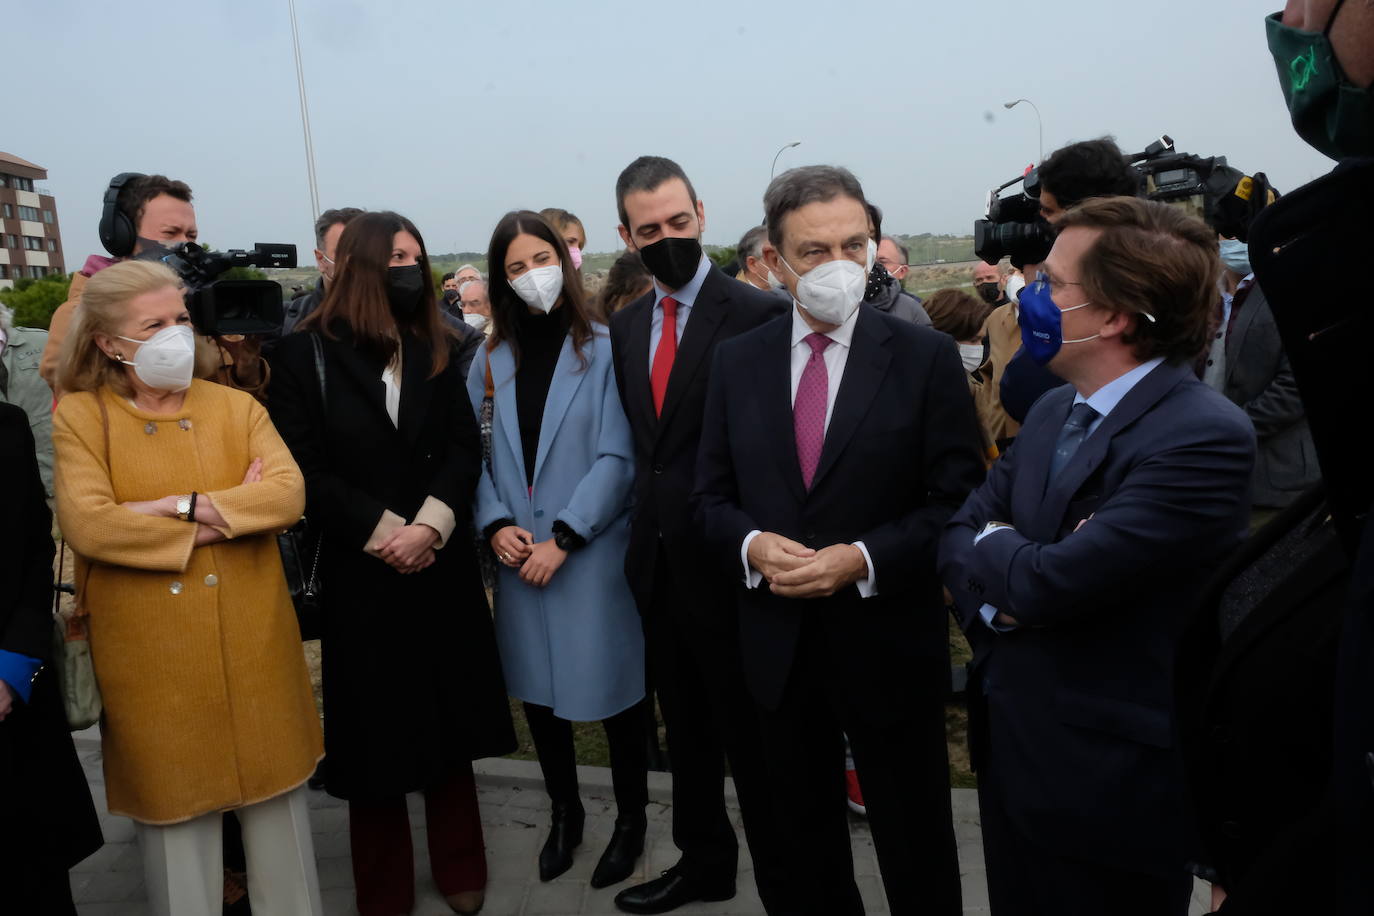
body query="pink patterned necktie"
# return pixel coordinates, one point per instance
(808, 410)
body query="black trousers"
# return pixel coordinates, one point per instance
(903, 766)
(625, 733)
(697, 673)
(1025, 879)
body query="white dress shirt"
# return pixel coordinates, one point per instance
(1104, 401)
(836, 356)
(685, 299)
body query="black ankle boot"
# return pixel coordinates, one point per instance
(565, 835)
(618, 861)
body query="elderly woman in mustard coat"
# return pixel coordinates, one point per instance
(171, 491)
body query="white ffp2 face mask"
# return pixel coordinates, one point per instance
(540, 287)
(475, 320)
(167, 360)
(830, 292)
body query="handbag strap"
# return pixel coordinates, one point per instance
(318, 346)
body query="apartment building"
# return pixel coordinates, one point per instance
(30, 240)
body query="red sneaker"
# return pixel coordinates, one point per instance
(854, 793)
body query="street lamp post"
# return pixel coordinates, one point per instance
(1038, 121)
(305, 117)
(774, 169)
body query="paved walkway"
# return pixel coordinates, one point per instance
(515, 819)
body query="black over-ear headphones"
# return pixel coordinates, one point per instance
(118, 233)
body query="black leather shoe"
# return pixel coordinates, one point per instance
(565, 835)
(626, 846)
(670, 891)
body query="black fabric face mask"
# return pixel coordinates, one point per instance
(673, 262)
(990, 292)
(404, 288)
(450, 295)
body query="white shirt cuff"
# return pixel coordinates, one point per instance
(989, 528)
(868, 585)
(989, 615)
(752, 577)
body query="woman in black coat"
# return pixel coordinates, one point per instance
(391, 456)
(47, 820)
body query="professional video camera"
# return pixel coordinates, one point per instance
(223, 307)
(1013, 226)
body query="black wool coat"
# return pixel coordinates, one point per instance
(47, 819)
(412, 682)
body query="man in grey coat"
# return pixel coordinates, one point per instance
(1256, 377)
(21, 385)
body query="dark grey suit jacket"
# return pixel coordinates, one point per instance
(1260, 381)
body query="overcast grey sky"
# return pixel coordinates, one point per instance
(453, 113)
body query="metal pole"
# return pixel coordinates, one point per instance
(1039, 122)
(305, 117)
(773, 171)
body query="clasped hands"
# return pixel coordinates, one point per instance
(794, 570)
(210, 521)
(409, 548)
(515, 547)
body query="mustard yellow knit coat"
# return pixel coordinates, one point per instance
(197, 653)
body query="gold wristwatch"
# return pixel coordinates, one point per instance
(184, 508)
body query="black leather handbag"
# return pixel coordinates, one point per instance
(301, 546)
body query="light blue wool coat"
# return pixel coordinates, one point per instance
(575, 645)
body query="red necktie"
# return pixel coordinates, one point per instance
(664, 355)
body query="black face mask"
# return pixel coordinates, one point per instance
(450, 295)
(673, 262)
(990, 292)
(404, 288)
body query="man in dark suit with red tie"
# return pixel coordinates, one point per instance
(663, 344)
(838, 441)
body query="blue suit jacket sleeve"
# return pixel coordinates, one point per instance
(603, 493)
(1170, 507)
(989, 502)
(1023, 382)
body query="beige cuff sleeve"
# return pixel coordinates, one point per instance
(388, 525)
(437, 515)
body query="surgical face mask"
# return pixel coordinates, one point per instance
(155, 249)
(1332, 114)
(405, 286)
(330, 261)
(475, 320)
(989, 292)
(575, 255)
(167, 360)
(830, 292)
(540, 287)
(672, 261)
(972, 355)
(1235, 254)
(770, 280)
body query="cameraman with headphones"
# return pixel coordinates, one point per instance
(143, 216)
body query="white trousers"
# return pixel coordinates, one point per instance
(183, 864)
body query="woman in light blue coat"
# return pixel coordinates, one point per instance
(553, 504)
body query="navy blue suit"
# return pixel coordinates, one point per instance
(900, 453)
(1072, 727)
